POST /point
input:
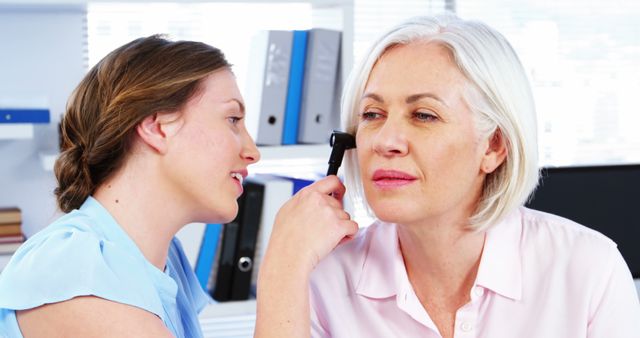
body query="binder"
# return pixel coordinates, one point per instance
(301, 181)
(267, 85)
(206, 256)
(277, 191)
(294, 91)
(24, 115)
(247, 237)
(224, 274)
(317, 112)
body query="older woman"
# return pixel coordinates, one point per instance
(445, 129)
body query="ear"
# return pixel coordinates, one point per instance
(151, 132)
(495, 153)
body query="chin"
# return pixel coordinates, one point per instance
(229, 214)
(393, 213)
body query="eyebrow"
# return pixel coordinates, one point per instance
(239, 104)
(416, 97)
(410, 99)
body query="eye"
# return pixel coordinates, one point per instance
(425, 116)
(369, 116)
(234, 119)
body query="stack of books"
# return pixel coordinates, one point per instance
(11, 236)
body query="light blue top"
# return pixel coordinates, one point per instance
(87, 253)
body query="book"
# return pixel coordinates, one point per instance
(10, 215)
(247, 237)
(190, 237)
(24, 115)
(207, 253)
(9, 248)
(320, 80)
(294, 90)
(10, 229)
(12, 238)
(277, 191)
(267, 87)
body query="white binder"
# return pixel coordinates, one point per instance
(318, 112)
(267, 82)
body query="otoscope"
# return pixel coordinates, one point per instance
(339, 141)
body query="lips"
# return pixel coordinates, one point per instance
(391, 178)
(239, 176)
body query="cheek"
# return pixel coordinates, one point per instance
(363, 153)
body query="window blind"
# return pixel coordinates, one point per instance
(583, 61)
(228, 26)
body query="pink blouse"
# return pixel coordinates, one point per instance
(540, 275)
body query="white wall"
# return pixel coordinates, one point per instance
(41, 57)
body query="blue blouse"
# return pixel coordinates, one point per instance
(87, 253)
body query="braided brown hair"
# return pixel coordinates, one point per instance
(141, 78)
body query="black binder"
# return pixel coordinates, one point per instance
(251, 214)
(224, 276)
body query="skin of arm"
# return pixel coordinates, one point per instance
(318, 222)
(90, 316)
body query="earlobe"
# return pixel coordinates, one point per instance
(495, 154)
(151, 133)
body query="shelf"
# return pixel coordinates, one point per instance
(294, 159)
(15, 131)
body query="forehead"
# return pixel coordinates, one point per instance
(221, 84)
(418, 63)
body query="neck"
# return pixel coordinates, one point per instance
(134, 197)
(441, 255)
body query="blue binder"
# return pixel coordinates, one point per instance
(207, 253)
(294, 92)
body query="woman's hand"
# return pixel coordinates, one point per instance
(310, 225)
(306, 229)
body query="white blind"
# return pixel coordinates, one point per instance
(228, 26)
(582, 57)
(374, 17)
(583, 60)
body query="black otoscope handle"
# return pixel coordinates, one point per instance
(340, 141)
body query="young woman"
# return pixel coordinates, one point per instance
(153, 139)
(446, 156)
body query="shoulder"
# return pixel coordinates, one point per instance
(561, 234)
(562, 259)
(68, 242)
(90, 316)
(553, 243)
(71, 258)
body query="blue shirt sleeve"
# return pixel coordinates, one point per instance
(67, 262)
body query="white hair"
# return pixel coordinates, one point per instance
(497, 91)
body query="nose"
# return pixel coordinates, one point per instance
(250, 152)
(391, 139)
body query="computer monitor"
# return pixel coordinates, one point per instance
(604, 198)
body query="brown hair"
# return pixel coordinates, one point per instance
(143, 77)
